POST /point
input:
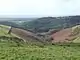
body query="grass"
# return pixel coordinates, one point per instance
(4, 31)
(10, 52)
(13, 49)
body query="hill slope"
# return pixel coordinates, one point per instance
(44, 24)
(12, 49)
(8, 39)
(67, 35)
(26, 35)
(19, 34)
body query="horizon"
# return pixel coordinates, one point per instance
(25, 16)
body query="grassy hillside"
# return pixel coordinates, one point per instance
(8, 38)
(28, 52)
(76, 32)
(19, 34)
(12, 48)
(4, 30)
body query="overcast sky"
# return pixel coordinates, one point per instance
(38, 8)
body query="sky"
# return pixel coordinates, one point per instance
(39, 8)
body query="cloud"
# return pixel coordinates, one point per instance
(68, 7)
(40, 7)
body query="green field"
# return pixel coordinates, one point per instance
(14, 49)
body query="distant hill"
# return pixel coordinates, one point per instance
(44, 24)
